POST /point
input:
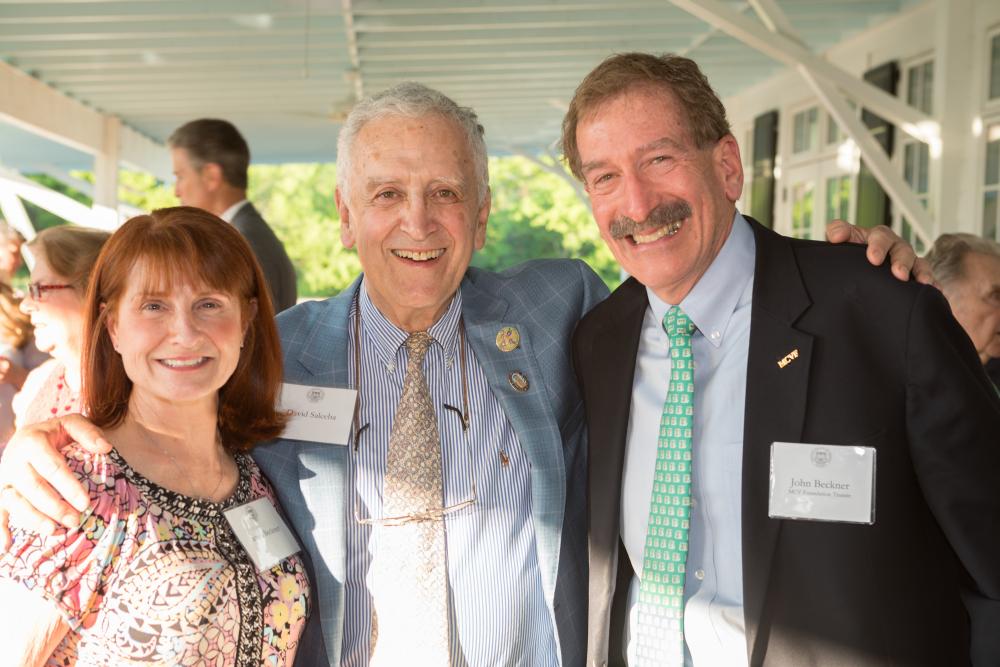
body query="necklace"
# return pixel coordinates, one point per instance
(182, 473)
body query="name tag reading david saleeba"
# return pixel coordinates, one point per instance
(317, 414)
(822, 482)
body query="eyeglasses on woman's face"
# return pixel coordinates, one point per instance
(37, 290)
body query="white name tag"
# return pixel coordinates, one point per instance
(822, 482)
(263, 534)
(318, 414)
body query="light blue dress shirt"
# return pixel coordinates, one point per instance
(719, 306)
(498, 610)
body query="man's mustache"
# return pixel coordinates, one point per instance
(662, 215)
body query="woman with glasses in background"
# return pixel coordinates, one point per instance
(60, 259)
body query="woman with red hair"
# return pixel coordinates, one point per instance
(181, 368)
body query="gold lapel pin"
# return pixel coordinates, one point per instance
(788, 358)
(508, 339)
(518, 380)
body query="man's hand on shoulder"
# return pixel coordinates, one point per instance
(37, 488)
(882, 242)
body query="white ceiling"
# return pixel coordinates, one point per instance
(286, 71)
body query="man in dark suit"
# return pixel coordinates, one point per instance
(210, 160)
(728, 338)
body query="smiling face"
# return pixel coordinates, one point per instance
(58, 317)
(177, 346)
(663, 205)
(975, 302)
(414, 214)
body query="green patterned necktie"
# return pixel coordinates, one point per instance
(660, 631)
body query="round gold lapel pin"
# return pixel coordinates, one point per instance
(508, 339)
(518, 380)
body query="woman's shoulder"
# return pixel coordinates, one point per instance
(33, 390)
(39, 375)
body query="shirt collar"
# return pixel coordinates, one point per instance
(712, 301)
(387, 338)
(231, 212)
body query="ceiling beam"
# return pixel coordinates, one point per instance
(32, 105)
(789, 51)
(354, 55)
(875, 157)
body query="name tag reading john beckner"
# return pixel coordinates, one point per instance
(822, 482)
(317, 414)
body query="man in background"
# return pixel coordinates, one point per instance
(210, 160)
(967, 268)
(10, 251)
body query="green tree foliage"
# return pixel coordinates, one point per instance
(297, 201)
(42, 219)
(144, 191)
(538, 214)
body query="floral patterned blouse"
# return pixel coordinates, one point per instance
(155, 577)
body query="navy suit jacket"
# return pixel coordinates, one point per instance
(278, 270)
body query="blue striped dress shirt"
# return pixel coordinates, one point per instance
(498, 610)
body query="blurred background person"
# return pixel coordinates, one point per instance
(210, 160)
(60, 259)
(10, 251)
(17, 354)
(182, 371)
(967, 268)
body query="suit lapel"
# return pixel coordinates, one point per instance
(606, 359)
(612, 363)
(323, 360)
(777, 384)
(530, 414)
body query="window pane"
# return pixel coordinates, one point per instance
(838, 197)
(832, 131)
(798, 142)
(913, 86)
(992, 161)
(845, 196)
(995, 68)
(920, 86)
(924, 167)
(832, 199)
(927, 101)
(909, 164)
(813, 128)
(802, 210)
(990, 215)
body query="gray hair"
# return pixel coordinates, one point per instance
(947, 256)
(412, 100)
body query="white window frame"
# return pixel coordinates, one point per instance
(904, 140)
(813, 151)
(981, 187)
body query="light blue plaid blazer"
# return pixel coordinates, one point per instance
(543, 299)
